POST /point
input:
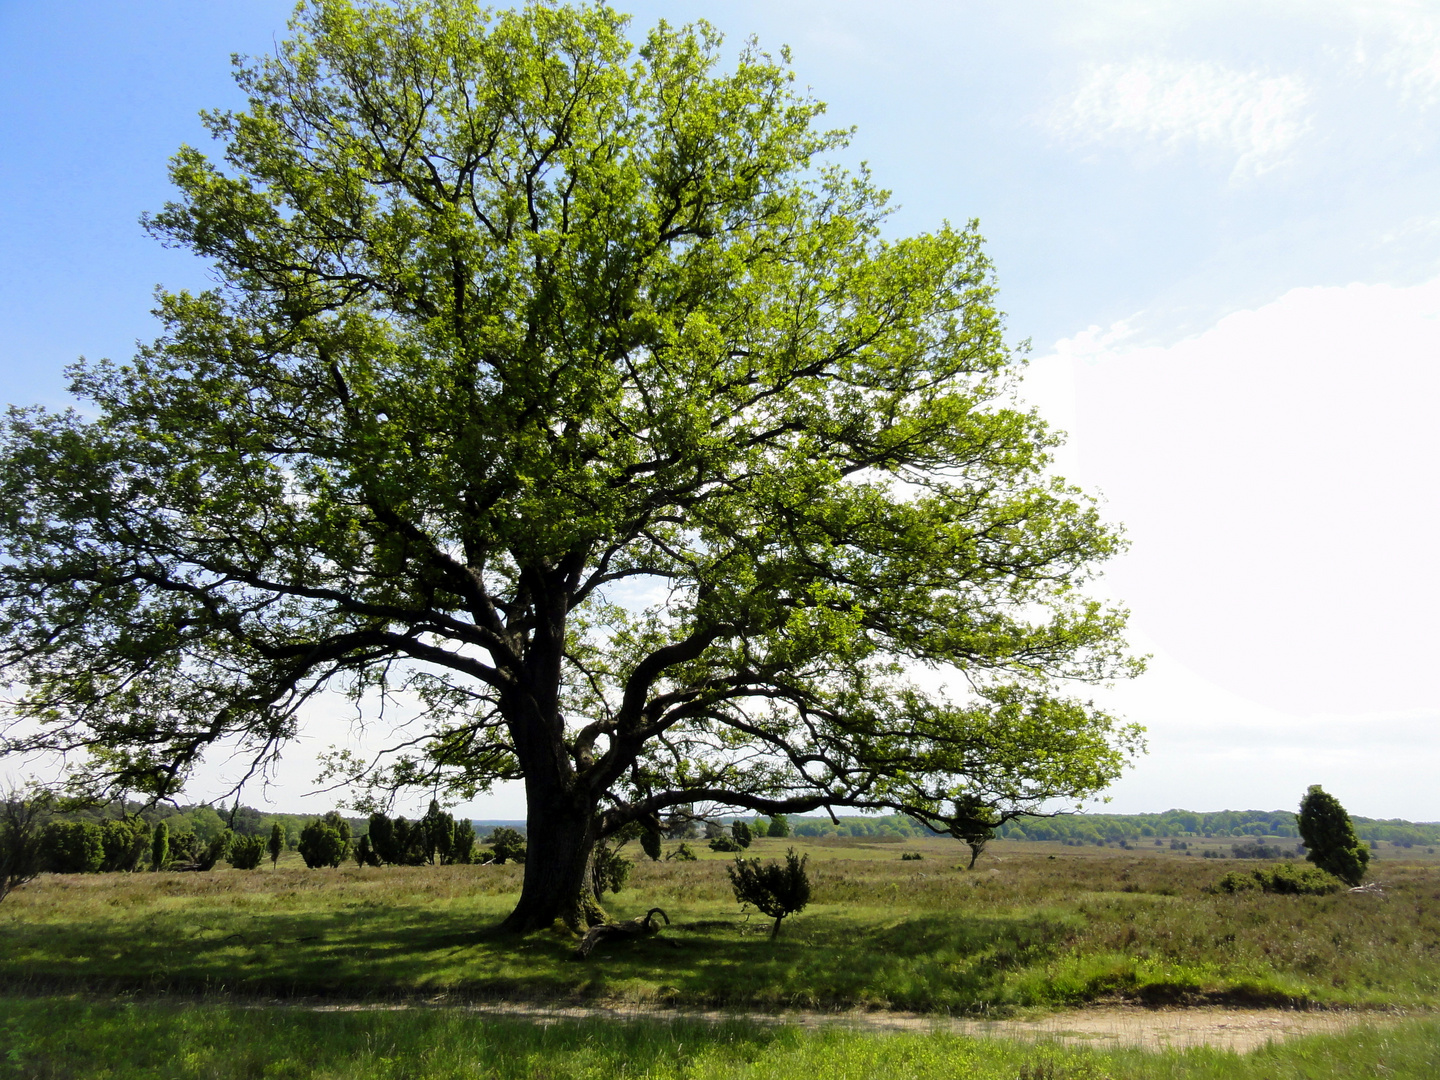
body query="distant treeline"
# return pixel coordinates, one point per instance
(1113, 828)
(1186, 825)
(38, 836)
(206, 822)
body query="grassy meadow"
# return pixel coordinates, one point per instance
(119, 1040)
(1021, 930)
(1034, 926)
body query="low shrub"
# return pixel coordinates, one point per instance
(911, 856)
(1258, 851)
(1286, 879)
(217, 849)
(609, 870)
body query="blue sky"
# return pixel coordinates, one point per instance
(1216, 222)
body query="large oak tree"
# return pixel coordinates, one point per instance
(563, 388)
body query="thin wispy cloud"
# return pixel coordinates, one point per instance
(1254, 118)
(1410, 59)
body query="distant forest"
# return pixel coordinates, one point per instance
(208, 821)
(1113, 828)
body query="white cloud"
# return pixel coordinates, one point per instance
(1210, 749)
(1280, 481)
(1408, 53)
(1255, 118)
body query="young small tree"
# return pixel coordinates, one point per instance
(974, 823)
(247, 852)
(507, 844)
(779, 825)
(186, 850)
(439, 832)
(22, 828)
(277, 842)
(340, 825)
(775, 890)
(741, 832)
(382, 838)
(322, 845)
(160, 846)
(73, 847)
(1330, 840)
(124, 843)
(759, 828)
(464, 850)
(218, 848)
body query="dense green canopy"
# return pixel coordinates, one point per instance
(563, 388)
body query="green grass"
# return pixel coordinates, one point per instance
(69, 1037)
(1023, 930)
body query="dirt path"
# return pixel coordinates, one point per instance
(1241, 1030)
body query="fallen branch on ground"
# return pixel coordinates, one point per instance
(631, 928)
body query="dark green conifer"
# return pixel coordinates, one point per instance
(160, 847)
(776, 890)
(1329, 837)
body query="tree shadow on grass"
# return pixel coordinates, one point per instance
(825, 960)
(71, 1037)
(931, 962)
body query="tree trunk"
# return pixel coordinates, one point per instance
(559, 841)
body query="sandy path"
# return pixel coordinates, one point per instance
(1241, 1030)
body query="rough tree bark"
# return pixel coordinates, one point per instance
(560, 827)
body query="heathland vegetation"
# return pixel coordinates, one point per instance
(1038, 925)
(1034, 926)
(121, 837)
